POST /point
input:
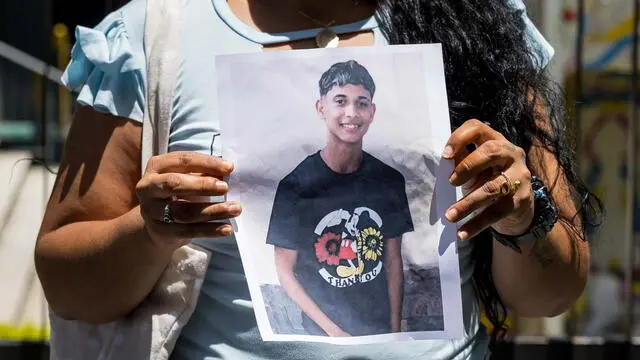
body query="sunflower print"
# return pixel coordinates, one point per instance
(370, 243)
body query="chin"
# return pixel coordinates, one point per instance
(351, 138)
(347, 139)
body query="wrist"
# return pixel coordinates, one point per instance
(543, 218)
(395, 325)
(133, 225)
(517, 228)
(330, 328)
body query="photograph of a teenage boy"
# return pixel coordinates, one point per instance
(338, 219)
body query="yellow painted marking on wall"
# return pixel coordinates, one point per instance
(26, 332)
(619, 31)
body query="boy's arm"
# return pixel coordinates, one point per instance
(395, 280)
(285, 262)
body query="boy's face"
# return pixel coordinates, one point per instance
(348, 111)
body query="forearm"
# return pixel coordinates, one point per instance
(297, 293)
(395, 281)
(97, 271)
(547, 278)
(396, 288)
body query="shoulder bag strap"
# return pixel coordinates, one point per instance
(162, 49)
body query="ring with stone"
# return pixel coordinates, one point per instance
(509, 187)
(167, 218)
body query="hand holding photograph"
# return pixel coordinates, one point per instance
(339, 168)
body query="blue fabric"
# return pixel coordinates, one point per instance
(108, 67)
(106, 70)
(249, 33)
(541, 50)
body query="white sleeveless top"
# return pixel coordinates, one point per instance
(108, 67)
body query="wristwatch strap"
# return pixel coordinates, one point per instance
(544, 219)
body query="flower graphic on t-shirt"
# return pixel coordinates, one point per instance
(370, 243)
(328, 248)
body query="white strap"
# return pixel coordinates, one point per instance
(171, 309)
(162, 43)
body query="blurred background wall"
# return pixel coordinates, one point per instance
(595, 70)
(35, 41)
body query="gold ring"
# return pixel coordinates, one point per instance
(509, 187)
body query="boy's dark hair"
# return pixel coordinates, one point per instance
(343, 73)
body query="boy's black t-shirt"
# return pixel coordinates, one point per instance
(339, 224)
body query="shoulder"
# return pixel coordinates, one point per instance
(116, 44)
(378, 166)
(293, 180)
(107, 65)
(133, 16)
(541, 49)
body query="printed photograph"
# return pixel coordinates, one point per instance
(341, 236)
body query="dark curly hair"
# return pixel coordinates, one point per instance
(493, 75)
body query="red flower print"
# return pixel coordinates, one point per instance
(328, 248)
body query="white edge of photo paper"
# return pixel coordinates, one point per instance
(445, 193)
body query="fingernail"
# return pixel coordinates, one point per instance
(226, 230)
(451, 214)
(463, 235)
(235, 209)
(227, 165)
(448, 152)
(222, 186)
(453, 178)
